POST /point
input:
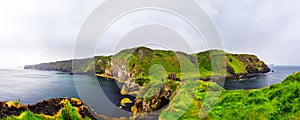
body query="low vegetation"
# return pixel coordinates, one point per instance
(159, 77)
(279, 101)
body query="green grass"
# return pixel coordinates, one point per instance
(204, 64)
(140, 60)
(27, 115)
(238, 66)
(280, 101)
(68, 112)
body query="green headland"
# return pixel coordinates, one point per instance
(185, 86)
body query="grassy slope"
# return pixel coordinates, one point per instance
(140, 60)
(280, 101)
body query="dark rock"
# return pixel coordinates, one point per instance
(230, 70)
(48, 107)
(265, 69)
(172, 76)
(251, 69)
(156, 101)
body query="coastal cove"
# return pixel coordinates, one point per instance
(32, 86)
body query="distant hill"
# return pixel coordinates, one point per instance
(136, 63)
(139, 66)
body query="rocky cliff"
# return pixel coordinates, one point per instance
(154, 75)
(77, 66)
(137, 67)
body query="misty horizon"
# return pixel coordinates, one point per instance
(152, 48)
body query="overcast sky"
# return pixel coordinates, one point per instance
(35, 31)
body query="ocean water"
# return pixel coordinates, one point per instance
(32, 86)
(280, 72)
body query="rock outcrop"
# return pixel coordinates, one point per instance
(46, 107)
(158, 100)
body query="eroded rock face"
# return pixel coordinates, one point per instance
(130, 88)
(230, 70)
(265, 68)
(253, 64)
(159, 100)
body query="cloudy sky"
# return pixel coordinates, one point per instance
(35, 31)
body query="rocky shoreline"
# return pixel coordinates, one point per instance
(49, 107)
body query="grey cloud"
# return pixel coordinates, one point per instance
(267, 28)
(42, 31)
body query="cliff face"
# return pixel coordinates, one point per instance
(64, 66)
(160, 97)
(79, 66)
(139, 66)
(140, 69)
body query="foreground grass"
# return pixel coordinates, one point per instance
(280, 101)
(27, 115)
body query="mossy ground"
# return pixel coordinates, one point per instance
(280, 101)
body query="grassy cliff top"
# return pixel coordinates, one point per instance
(279, 101)
(140, 62)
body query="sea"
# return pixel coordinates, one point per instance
(277, 76)
(32, 86)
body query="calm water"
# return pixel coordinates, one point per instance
(31, 86)
(264, 80)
